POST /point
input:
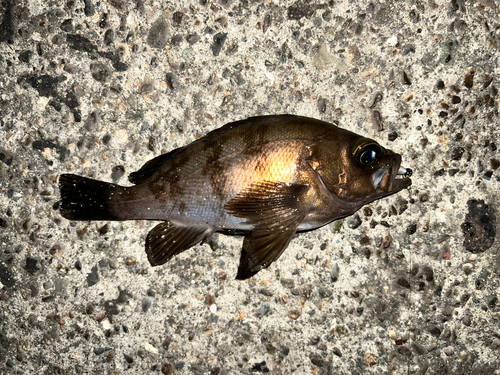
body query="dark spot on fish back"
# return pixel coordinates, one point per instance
(254, 142)
(175, 191)
(158, 187)
(263, 134)
(170, 178)
(182, 207)
(217, 178)
(214, 151)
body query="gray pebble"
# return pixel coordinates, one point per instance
(265, 309)
(335, 272)
(417, 348)
(146, 304)
(354, 222)
(93, 276)
(157, 36)
(219, 40)
(67, 25)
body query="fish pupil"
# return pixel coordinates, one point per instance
(368, 157)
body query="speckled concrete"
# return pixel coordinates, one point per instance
(99, 87)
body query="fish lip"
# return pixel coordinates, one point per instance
(400, 176)
(391, 178)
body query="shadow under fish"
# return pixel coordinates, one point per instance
(266, 177)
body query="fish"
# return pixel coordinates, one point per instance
(265, 178)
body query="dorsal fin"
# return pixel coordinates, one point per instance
(149, 169)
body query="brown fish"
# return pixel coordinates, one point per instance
(265, 177)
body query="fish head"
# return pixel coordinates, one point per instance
(363, 170)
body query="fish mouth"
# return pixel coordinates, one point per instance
(392, 178)
(402, 178)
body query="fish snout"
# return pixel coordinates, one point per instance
(391, 177)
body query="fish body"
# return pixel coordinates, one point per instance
(267, 177)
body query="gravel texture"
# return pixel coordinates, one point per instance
(408, 285)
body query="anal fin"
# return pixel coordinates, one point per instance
(167, 240)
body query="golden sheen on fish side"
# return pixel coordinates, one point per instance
(264, 177)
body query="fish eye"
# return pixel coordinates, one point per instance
(367, 153)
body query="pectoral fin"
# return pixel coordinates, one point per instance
(263, 246)
(276, 210)
(167, 240)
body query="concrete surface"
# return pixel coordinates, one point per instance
(99, 87)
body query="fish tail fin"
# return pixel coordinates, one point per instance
(84, 198)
